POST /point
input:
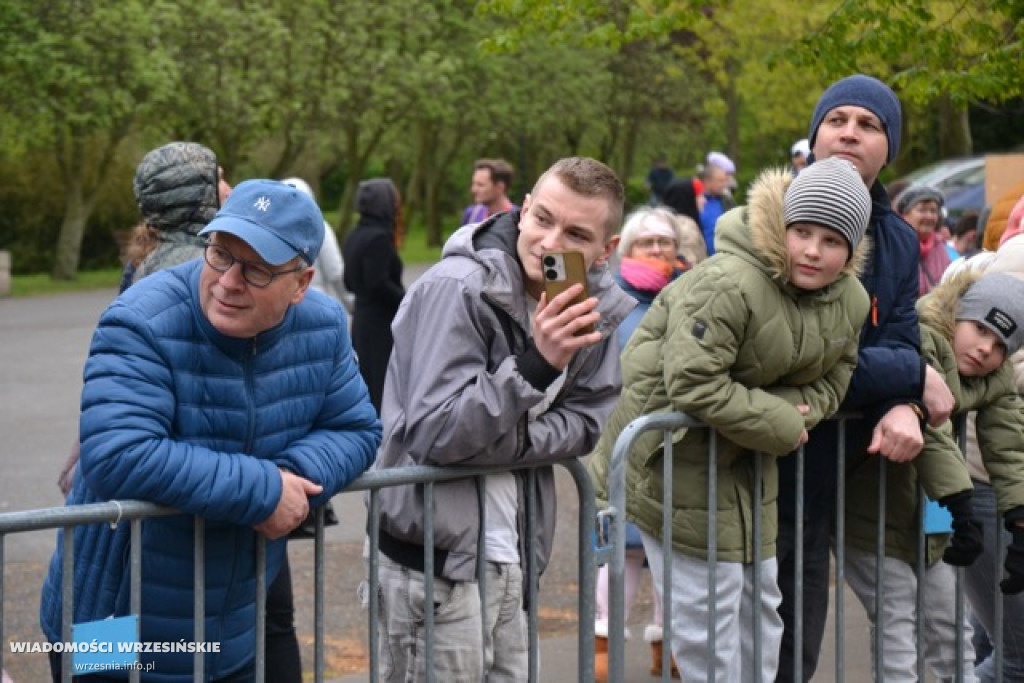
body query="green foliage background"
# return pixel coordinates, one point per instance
(340, 90)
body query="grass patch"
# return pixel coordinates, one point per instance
(41, 283)
(415, 249)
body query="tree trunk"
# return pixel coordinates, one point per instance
(435, 229)
(732, 113)
(357, 159)
(72, 229)
(954, 129)
(629, 149)
(82, 183)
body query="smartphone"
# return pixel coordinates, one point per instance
(562, 269)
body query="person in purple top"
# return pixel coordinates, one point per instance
(492, 179)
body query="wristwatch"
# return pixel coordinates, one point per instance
(917, 411)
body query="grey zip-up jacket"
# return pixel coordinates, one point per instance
(455, 395)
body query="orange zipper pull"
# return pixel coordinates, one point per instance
(874, 311)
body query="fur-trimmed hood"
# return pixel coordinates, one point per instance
(938, 309)
(757, 231)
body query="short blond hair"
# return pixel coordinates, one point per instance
(590, 178)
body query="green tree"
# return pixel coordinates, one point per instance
(77, 76)
(763, 60)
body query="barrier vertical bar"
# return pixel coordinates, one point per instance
(2, 641)
(481, 553)
(712, 549)
(373, 599)
(879, 575)
(666, 598)
(921, 568)
(199, 595)
(840, 553)
(531, 576)
(798, 572)
(68, 597)
(617, 561)
(587, 569)
(318, 595)
(428, 578)
(757, 500)
(135, 582)
(997, 601)
(261, 607)
(961, 613)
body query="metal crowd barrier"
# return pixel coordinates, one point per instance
(136, 512)
(671, 422)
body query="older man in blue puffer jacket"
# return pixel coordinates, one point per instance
(227, 390)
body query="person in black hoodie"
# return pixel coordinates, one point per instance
(373, 273)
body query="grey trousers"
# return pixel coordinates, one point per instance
(900, 620)
(735, 611)
(465, 648)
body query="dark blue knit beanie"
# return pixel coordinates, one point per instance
(862, 91)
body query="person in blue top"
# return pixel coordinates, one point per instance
(858, 118)
(719, 174)
(226, 389)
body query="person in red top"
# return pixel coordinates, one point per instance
(492, 179)
(921, 207)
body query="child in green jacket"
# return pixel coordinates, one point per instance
(759, 342)
(970, 325)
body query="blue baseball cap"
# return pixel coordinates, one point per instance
(277, 220)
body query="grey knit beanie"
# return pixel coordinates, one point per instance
(862, 91)
(830, 193)
(915, 194)
(996, 301)
(176, 187)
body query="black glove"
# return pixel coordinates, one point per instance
(1014, 583)
(966, 544)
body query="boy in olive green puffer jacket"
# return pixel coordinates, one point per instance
(758, 342)
(970, 325)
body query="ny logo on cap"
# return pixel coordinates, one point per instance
(263, 203)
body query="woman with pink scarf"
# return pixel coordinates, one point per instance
(656, 246)
(921, 207)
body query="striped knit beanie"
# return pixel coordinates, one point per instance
(830, 193)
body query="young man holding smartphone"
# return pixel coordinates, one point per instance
(487, 371)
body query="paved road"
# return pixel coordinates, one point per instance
(43, 345)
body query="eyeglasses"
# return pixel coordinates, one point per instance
(651, 242)
(221, 260)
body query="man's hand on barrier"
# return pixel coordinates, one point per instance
(292, 508)
(1014, 583)
(937, 397)
(897, 435)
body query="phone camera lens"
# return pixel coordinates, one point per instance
(549, 261)
(551, 274)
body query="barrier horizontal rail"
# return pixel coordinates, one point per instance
(672, 422)
(135, 511)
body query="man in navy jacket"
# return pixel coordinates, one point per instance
(228, 390)
(858, 118)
